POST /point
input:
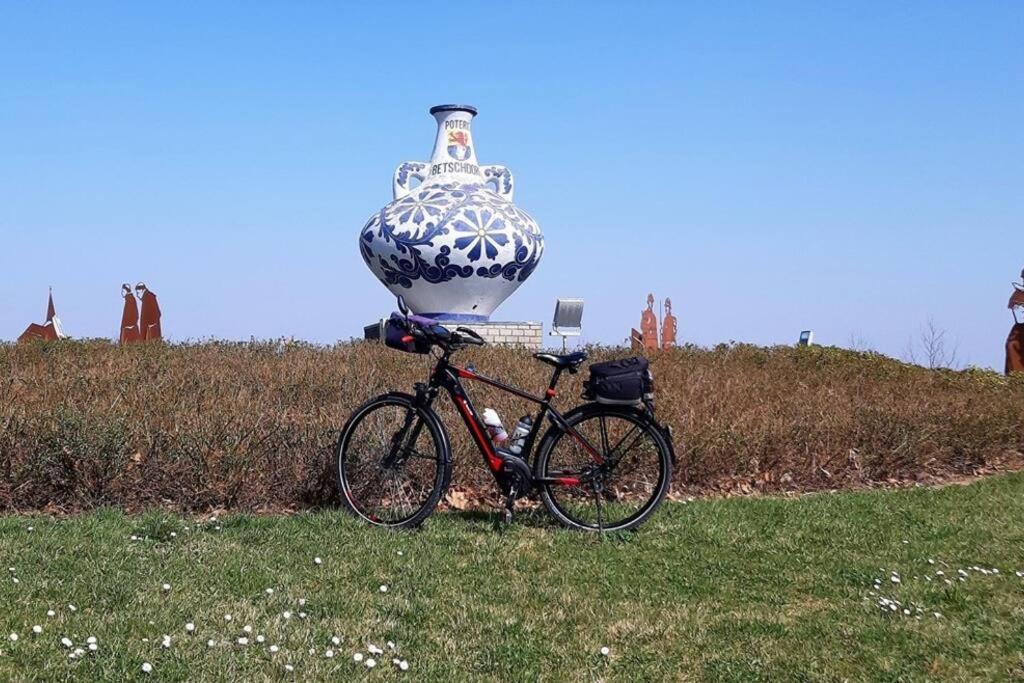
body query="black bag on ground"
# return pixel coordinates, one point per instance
(619, 382)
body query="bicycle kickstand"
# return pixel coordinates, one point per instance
(509, 503)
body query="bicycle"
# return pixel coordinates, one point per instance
(394, 459)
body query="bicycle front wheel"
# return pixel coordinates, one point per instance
(620, 491)
(392, 462)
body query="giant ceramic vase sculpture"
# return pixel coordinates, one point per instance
(452, 243)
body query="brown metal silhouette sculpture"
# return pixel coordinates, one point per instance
(636, 340)
(149, 324)
(48, 331)
(1015, 340)
(129, 317)
(649, 325)
(668, 327)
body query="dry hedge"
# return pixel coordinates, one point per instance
(252, 426)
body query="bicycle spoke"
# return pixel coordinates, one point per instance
(636, 428)
(410, 453)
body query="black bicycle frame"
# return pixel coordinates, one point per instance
(448, 377)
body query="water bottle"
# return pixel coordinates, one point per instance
(494, 426)
(519, 434)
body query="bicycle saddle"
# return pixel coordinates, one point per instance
(570, 361)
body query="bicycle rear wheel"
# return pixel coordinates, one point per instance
(392, 462)
(620, 493)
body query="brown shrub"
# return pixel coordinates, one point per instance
(252, 426)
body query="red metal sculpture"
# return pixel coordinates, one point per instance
(149, 324)
(668, 327)
(1015, 341)
(129, 317)
(636, 340)
(48, 331)
(649, 325)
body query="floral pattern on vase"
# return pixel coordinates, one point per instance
(454, 246)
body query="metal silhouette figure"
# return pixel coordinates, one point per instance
(51, 330)
(649, 325)
(149, 322)
(668, 327)
(129, 317)
(1015, 340)
(636, 340)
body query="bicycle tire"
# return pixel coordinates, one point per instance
(554, 496)
(345, 464)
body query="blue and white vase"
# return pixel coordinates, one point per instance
(452, 242)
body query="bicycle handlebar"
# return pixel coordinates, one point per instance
(440, 335)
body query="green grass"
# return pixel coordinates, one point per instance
(741, 589)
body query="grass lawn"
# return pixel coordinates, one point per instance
(740, 589)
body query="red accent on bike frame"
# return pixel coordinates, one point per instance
(465, 374)
(482, 441)
(551, 393)
(567, 481)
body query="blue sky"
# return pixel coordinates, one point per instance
(852, 168)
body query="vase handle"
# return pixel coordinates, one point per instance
(405, 174)
(501, 178)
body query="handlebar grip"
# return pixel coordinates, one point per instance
(472, 334)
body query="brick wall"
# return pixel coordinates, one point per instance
(525, 334)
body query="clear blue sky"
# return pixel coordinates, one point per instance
(853, 168)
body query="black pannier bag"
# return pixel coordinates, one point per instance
(620, 382)
(395, 334)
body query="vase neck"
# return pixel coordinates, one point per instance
(454, 149)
